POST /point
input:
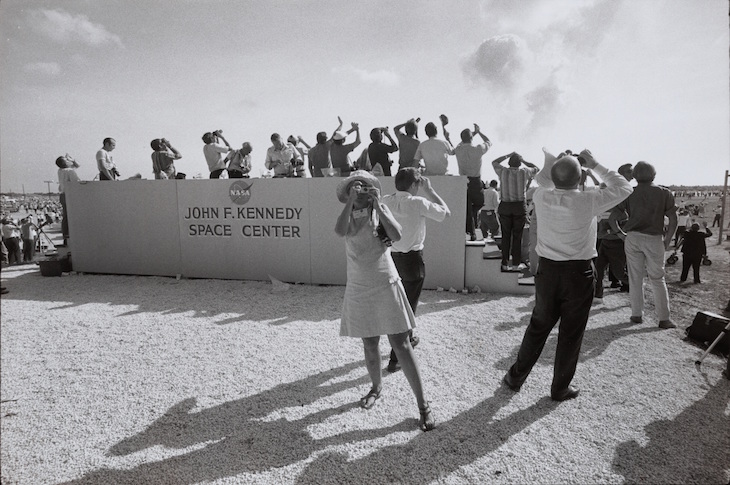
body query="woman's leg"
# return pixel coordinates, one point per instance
(403, 350)
(372, 361)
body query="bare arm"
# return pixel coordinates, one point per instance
(670, 229)
(432, 196)
(343, 220)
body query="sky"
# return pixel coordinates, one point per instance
(629, 79)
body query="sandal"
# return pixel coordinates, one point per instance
(368, 400)
(427, 421)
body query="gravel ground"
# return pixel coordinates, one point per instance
(121, 379)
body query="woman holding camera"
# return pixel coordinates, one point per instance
(375, 302)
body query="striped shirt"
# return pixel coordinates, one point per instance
(513, 181)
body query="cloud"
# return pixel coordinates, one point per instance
(45, 68)
(498, 62)
(382, 77)
(543, 102)
(64, 27)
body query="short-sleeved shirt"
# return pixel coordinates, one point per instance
(338, 154)
(646, 206)
(491, 199)
(105, 163)
(513, 181)
(66, 175)
(280, 160)
(214, 156)
(407, 150)
(319, 158)
(469, 158)
(411, 212)
(434, 153)
(378, 153)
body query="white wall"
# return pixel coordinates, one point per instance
(215, 229)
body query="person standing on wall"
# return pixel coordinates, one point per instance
(469, 158)
(105, 162)
(163, 159)
(239, 161)
(378, 151)
(407, 143)
(282, 157)
(411, 211)
(213, 152)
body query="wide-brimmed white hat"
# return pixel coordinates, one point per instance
(339, 136)
(363, 176)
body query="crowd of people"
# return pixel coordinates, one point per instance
(579, 232)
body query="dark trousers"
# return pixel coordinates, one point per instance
(512, 218)
(694, 260)
(235, 174)
(412, 272)
(563, 291)
(13, 246)
(489, 223)
(28, 250)
(611, 253)
(716, 220)
(216, 174)
(474, 202)
(64, 221)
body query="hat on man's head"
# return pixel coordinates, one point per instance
(339, 136)
(343, 188)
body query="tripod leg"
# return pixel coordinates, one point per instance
(724, 331)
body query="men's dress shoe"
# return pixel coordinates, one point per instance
(624, 289)
(393, 366)
(506, 267)
(667, 324)
(615, 284)
(636, 319)
(510, 383)
(414, 341)
(569, 393)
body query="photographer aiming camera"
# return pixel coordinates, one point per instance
(163, 156)
(213, 152)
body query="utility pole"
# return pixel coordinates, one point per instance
(49, 182)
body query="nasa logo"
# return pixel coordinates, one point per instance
(240, 192)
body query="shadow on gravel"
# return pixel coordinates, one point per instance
(239, 436)
(436, 454)
(224, 298)
(248, 436)
(595, 342)
(684, 449)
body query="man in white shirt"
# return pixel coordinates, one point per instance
(566, 278)
(434, 152)
(105, 162)
(488, 220)
(280, 156)
(469, 158)
(213, 152)
(411, 212)
(66, 173)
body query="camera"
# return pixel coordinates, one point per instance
(297, 162)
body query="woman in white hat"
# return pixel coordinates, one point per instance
(375, 301)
